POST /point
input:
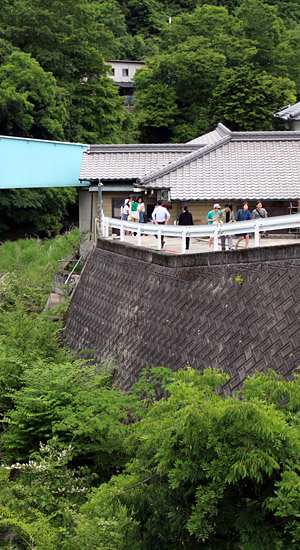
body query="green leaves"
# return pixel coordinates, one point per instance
(222, 472)
(31, 103)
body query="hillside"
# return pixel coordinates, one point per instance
(235, 61)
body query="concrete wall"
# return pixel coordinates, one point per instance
(144, 308)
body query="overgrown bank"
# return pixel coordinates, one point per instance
(85, 466)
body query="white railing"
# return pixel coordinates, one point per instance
(214, 230)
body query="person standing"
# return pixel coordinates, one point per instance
(226, 216)
(212, 217)
(259, 212)
(160, 216)
(125, 210)
(133, 212)
(186, 218)
(141, 209)
(242, 215)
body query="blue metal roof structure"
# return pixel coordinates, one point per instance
(28, 163)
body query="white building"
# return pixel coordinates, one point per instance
(122, 72)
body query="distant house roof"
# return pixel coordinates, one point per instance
(237, 165)
(289, 112)
(121, 162)
(126, 61)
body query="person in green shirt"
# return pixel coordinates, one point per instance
(212, 217)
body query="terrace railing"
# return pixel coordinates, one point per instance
(214, 230)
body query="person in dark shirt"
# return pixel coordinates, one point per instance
(186, 218)
(242, 215)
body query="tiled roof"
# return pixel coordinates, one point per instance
(108, 162)
(212, 137)
(241, 165)
(289, 112)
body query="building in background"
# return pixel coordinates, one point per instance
(291, 115)
(122, 72)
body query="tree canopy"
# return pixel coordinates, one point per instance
(190, 48)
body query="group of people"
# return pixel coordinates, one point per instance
(226, 215)
(133, 210)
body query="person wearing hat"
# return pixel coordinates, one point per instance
(213, 217)
(226, 216)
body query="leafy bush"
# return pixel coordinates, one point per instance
(209, 471)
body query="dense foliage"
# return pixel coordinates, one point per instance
(231, 60)
(35, 210)
(83, 465)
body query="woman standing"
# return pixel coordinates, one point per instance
(125, 210)
(242, 215)
(141, 209)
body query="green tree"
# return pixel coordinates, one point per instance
(209, 472)
(31, 104)
(41, 210)
(71, 39)
(260, 24)
(186, 76)
(246, 99)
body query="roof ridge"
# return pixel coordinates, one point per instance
(290, 135)
(124, 147)
(185, 160)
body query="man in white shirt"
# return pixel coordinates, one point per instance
(160, 216)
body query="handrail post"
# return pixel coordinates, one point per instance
(183, 241)
(122, 232)
(106, 227)
(256, 235)
(95, 230)
(139, 236)
(216, 238)
(159, 238)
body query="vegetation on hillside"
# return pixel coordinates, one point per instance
(83, 465)
(201, 56)
(230, 61)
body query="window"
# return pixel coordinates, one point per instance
(116, 207)
(124, 72)
(112, 71)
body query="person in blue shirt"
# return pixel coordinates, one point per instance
(242, 215)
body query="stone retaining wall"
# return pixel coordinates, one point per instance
(238, 311)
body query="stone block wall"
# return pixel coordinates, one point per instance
(238, 311)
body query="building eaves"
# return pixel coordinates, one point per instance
(289, 112)
(125, 61)
(124, 84)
